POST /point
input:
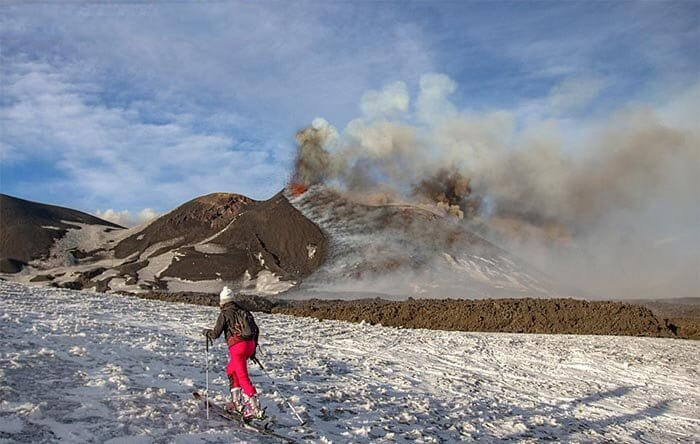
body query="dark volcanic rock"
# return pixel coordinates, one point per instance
(218, 236)
(686, 327)
(131, 268)
(193, 221)
(563, 316)
(8, 265)
(24, 237)
(249, 302)
(548, 316)
(201, 266)
(683, 314)
(281, 233)
(93, 273)
(73, 285)
(79, 254)
(102, 286)
(269, 235)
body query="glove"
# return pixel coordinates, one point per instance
(207, 332)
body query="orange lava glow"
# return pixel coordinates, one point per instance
(297, 189)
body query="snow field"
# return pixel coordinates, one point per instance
(87, 367)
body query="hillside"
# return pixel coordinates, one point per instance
(30, 229)
(322, 238)
(399, 251)
(211, 241)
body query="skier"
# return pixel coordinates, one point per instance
(241, 334)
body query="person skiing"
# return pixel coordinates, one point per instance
(241, 332)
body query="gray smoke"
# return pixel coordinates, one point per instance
(312, 163)
(628, 166)
(614, 212)
(451, 191)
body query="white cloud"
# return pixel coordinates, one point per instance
(109, 153)
(146, 215)
(135, 107)
(390, 100)
(122, 218)
(125, 218)
(265, 62)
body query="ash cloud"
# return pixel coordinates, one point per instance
(451, 191)
(612, 210)
(312, 164)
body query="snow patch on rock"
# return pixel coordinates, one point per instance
(260, 258)
(265, 283)
(311, 251)
(210, 248)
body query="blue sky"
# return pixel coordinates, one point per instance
(131, 106)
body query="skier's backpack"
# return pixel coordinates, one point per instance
(244, 318)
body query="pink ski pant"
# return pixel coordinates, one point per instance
(237, 367)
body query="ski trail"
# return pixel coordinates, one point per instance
(87, 367)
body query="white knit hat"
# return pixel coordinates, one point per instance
(225, 296)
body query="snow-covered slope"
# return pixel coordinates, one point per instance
(87, 367)
(409, 250)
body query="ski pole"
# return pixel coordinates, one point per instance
(257, 361)
(206, 354)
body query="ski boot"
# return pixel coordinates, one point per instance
(251, 408)
(236, 403)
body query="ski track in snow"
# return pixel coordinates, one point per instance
(89, 367)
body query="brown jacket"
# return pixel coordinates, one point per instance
(226, 323)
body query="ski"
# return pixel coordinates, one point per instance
(248, 425)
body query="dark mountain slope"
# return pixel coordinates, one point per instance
(191, 222)
(270, 235)
(28, 229)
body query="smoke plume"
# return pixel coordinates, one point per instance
(451, 191)
(610, 205)
(312, 163)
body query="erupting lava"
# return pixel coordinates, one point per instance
(297, 189)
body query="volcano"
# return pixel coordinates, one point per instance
(314, 241)
(403, 250)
